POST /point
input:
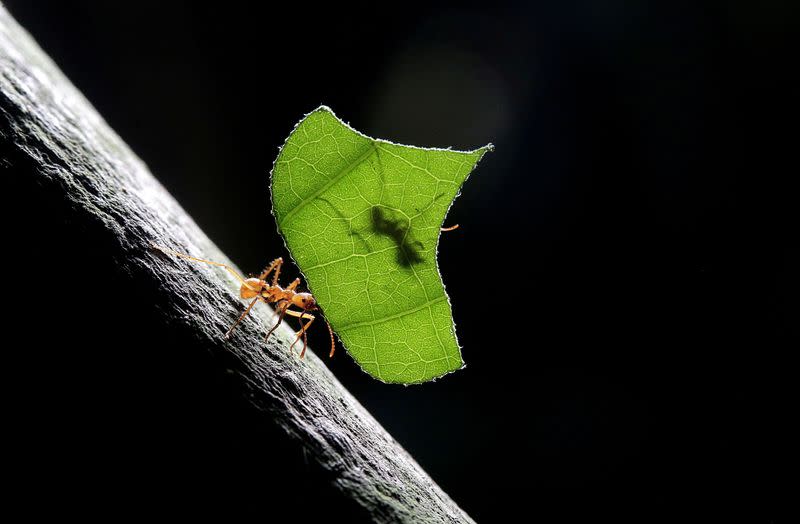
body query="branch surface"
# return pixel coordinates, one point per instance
(59, 136)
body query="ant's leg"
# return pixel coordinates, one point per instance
(280, 308)
(277, 271)
(298, 314)
(181, 255)
(330, 329)
(246, 311)
(293, 285)
(305, 342)
(299, 334)
(274, 265)
(303, 329)
(451, 228)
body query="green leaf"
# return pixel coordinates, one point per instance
(361, 218)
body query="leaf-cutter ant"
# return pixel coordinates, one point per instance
(258, 289)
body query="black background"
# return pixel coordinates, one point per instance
(624, 281)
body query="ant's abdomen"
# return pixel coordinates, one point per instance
(251, 288)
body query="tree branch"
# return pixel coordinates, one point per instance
(56, 134)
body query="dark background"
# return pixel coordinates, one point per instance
(624, 281)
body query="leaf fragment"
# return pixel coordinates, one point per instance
(361, 217)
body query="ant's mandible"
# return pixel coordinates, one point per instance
(284, 298)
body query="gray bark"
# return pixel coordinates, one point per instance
(65, 143)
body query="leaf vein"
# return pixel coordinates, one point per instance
(387, 318)
(338, 176)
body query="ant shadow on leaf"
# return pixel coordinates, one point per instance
(388, 222)
(409, 251)
(382, 222)
(393, 224)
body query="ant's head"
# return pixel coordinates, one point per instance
(252, 287)
(304, 301)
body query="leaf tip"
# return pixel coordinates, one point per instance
(323, 109)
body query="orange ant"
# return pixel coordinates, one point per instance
(283, 298)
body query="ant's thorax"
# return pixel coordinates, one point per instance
(272, 292)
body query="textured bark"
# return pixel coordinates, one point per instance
(55, 134)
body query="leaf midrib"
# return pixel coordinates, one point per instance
(346, 170)
(387, 318)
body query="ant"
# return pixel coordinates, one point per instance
(283, 298)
